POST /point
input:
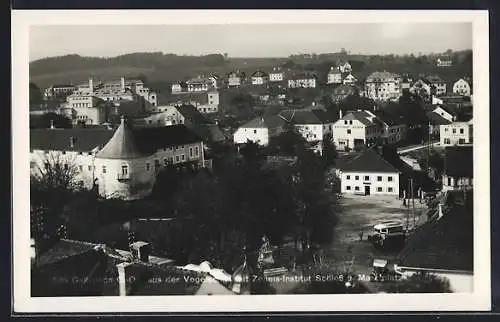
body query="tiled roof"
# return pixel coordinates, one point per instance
(434, 79)
(313, 116)
(191, 113)
(446, 243)
(369, 161)
(259, 73)
(388, 118)
(303, 75)
(151, 139)
(188, 97)
(122, 145)
(361, 116)
(458, 161)
(437, 119)
(381, 76)
(85, 139)
(266, 121)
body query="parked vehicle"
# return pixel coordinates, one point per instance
(387, 234)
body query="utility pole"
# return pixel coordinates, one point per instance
(408, 209)
(412, 202)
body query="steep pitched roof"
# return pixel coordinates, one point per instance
(259, 73)
(150, 139)
(84, 139)
(446, 243)
(369, 161)
(434, 79)
(388, 118)
(122, 145)
(361, 116)
(265, 121)
(311, 116)
(192, 114)
(458, 161)
(381, 76)
(436, 119)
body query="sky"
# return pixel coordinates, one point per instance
(249, 40)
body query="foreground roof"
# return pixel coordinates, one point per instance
(369, 161)
(265, 121)
(458, 161)
(444, 243)
(85, 139)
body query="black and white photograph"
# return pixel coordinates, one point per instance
(167, 164)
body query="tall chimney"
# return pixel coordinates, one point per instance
(52, 124)
(122, 278)
(122, 83)
(91, 84)
(340, 113)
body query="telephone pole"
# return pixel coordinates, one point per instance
(408, 208)
(412, 202)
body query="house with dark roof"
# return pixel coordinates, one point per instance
(205, 101)
(122, 163)
(435, 122)
(444, 246)
(423, 88)
(369, 173)
(356, 129)
(303, 80)
(235, 78)
(383, 86)
(437, 83)
(458, 168)
(394, 127)
(76, 268)
(199, 84)
(260, 129)
(259, 77)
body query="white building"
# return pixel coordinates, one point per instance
(445, 112)
(302, 80)
(334, 76)
(199, 84)
(121, 163)
(176, 87)
(259, 78)
(383, 86)
(349, 79)
(444, 62)
(58, 90)
(259, 130)
(422, 87)
(456, 133)
(205, 102)
(356, 129)
(234, 79)
(437, 84)
(369, 174)
(461, 87)
(276, 75)
(345, 67)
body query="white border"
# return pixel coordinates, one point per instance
(477, 301)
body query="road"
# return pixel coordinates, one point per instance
(410, 148)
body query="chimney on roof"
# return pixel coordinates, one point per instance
(91, 84)
(52, 125)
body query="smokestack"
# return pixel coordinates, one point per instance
(91, 84)
(122, 83)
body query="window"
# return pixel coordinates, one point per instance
(80, 167)
(379, 178)
(63, 152)
(103, 169)
(171, 159)
(348, 177)
(165, 161)
(447, 141)
(348, 131)
(345, 122)
(196, 152)
(461, 131)
(461, 141)
(66, 167)
(348, 188)
(367, 178)
(454, 131)
(254, 131)
(356, 177)
(124, 169)
(379, 189)
(350, 122)
(389, 178)
(157, 163)
(176, 158)
(356, 188)
(389, 189)
(190, 152)
(90, 168)
(147, 166)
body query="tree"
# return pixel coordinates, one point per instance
(329, 150)
(422, 282)
(35, 94)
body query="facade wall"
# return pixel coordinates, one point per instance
(257, 135)
(440, 88)
(176, 88)
(83, 164)
(461, 87)
(380, 183)
(169, 116)
(310, 132)
(345, 134)
(456, 183)
(383, 91)
(213, 98)
(395, 133)
(304, 83)
(334, 78)
(207, 108)
(234, 81)
(90, 115)
(457, 133)
(276, 77)
(259, 80)
(197, 87)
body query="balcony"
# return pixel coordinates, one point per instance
(123, 177)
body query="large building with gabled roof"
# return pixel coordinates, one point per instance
(369, 173)
(259, 130)
(120, 163)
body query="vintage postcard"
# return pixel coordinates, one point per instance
(250, 161)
